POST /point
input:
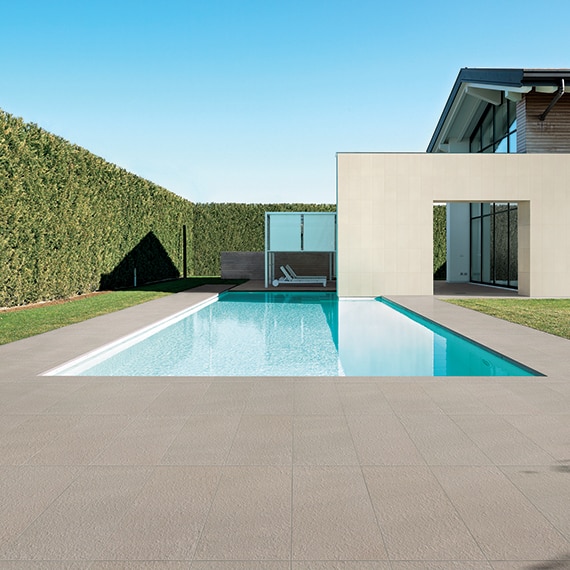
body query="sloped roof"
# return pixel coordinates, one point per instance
(474, 88)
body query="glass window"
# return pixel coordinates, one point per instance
(513, 142)
(500, 247)
(513, 246)
(501, 121)
(475, 145)
(496, 130)
(494, 243)
(502, 146)
(487, 136)
(476, 250)
(486, 253)
(512, 115)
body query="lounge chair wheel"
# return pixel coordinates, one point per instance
(275, 283)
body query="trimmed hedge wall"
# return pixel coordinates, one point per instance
(70, 221)
(241, 227)
(439, 242)
(234, 227)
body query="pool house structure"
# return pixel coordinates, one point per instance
(499, 158)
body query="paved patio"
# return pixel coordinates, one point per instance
(284, 473)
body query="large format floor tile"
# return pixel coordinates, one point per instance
(221, 473)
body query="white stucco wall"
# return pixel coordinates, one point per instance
(385, 224)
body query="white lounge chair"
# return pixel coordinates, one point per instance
(307, 280)
(295, 276)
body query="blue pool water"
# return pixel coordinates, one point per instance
(295, 334)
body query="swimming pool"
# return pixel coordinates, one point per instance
(293, 334)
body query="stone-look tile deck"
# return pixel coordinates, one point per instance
(284, 473)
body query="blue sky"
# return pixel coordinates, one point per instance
(249, 100)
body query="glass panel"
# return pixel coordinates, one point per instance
(501, 122)
(512, 116)
(319, 232)
(487, 129)
(502, 146)
(513, 142)
(486, 254)
(476, 250)
(285, 232)
(475, 209)
(475, 145)
(500, 246)
(513, 251)
(486, 208)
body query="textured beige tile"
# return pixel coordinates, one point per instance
(501, 399)
(250, 518)
(502, 443)
(359, 398)
(224, 398)
(143, 442)
(20, 444)
(382, 440)
(341, 565)
(140, 565)
(80, 444)
(551, 433)
(547, 400)
(87, 399)
(322, 440)
(548, 488)
(503, 521)
(203, 440)
(553, 564)
(45, 565)
(333, 518)
(441, 441)
(11, 392)
(166, 518)
(263, 440)
(442, 565)
(240, 565)
(408, 398)
(40, 398)
(416, 517)
(133, 398)
(25, 492)
(454, 398)
(317, 398)
(80, 522)
(9, 423)
(177, 399)
(271, 397)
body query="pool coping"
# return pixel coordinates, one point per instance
(536, 350)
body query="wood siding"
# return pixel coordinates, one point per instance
(552, 134)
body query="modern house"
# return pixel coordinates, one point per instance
(500, 159)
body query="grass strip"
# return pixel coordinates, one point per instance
(547, 315)
(16, 324)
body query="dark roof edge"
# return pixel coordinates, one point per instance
(494, 76)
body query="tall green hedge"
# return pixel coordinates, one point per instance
(439, 242)
(72, 223)
(69, 220)
(234, 227)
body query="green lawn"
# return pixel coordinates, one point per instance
(25, 322)
(548, 315)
